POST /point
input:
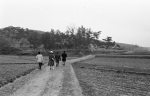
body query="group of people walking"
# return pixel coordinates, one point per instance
(52, 59)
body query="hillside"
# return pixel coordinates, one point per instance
(135, 49)
(17, 37)
(148, 48)
(128, 46)
(20, 38)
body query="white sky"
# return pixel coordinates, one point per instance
(126, 21)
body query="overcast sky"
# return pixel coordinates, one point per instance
(126, 21)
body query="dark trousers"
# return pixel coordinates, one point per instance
(57, 63)
(40, 65)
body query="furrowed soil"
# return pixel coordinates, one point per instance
(100, 77)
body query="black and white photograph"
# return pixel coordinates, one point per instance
(74, 47)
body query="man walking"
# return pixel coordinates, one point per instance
(64, 56)
(51, 60)
(57, 58)
(40, 59)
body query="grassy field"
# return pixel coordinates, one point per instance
(119, 63)
(12, 67)
(18, 59)
(8, 73)
(114, 76)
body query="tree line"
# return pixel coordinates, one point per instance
(72, 38)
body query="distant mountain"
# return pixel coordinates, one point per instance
(132, 47)
(128, 46)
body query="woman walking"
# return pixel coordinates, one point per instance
(51, 60)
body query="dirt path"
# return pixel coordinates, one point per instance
(70, 85)
(61, 81)
(43, 84)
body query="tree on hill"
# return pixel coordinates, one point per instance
(86, 36)
(47, 40)
(58, 39)
(34, 39)
(108, 42)
(5, 46)
(73, 38)
(108, 39)
(24, 43)
(4, 43)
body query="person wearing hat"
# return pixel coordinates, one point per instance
(51, 60)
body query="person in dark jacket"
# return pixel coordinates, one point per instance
(57, 58)
(51, 60)
(64, 56)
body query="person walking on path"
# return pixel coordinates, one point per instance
(64, 56)
(57, 58)
(39, 59)
(51, 60)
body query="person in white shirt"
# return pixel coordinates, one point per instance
(40, 59)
